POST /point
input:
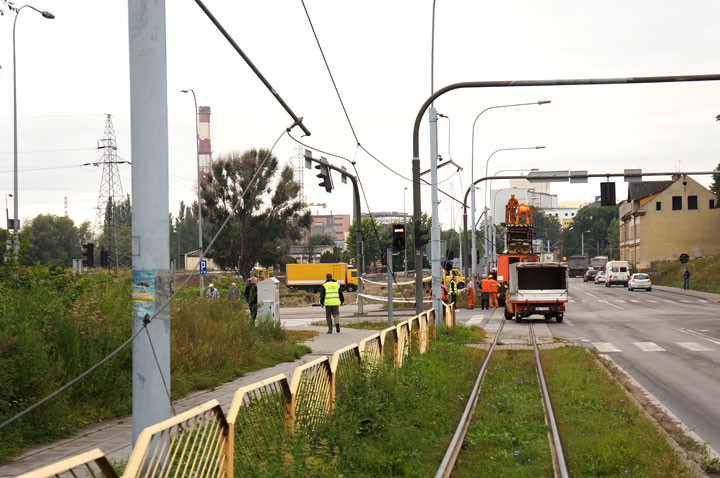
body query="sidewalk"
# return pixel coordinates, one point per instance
(114, 437)
(692, 293)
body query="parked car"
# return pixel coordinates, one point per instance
(640, 281)
(600, 277)
(590, 275)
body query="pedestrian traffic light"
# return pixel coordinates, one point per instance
(421, 234)
(89, 255)
(383, 259)
(607, 194)
(104, 258)
(399, 237)
(325, 176)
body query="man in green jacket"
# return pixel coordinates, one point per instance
(331, 297)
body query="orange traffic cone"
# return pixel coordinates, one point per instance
(471, 298)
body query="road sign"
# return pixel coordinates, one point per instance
(203, 267)
(684, 258)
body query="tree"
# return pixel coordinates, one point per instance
(715, 186)
(315, 244)
(184, 234)
(116, 232)
(331, 256)
(54, 240)
(547, 227)
(594, 219)
(269, 211)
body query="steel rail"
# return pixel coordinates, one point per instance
(448, 461)
(555, 444)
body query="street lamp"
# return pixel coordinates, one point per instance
(16, 219)
(472, 174)
(405, 221)
(582, 243)
(199, 200)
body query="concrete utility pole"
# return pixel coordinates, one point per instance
(150, 224)
(435, 228)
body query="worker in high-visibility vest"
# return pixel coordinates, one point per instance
(331, 297)
(512, 208)
(494, 292)
(453, 290)
(484, 292)
(523, 211)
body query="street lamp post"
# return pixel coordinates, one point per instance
(16, 219)
(582, 243)
(405, 221)
(199, 199)
(472, 175)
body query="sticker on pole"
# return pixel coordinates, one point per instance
(203, 267)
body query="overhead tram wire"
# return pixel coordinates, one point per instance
(161, 308)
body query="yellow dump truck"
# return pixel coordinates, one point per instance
(312, 276)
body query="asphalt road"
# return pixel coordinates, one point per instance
(668, 342)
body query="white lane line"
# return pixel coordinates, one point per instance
(619, 300)
(612, 305)
(668, 300)
(653, 301)
(605, 347)
(593, 296)
(685, 301)
(585, 340)
(635, 301)
(698, 334)
(298, 322)
(648, 347)
(702, 301)
(694, 346)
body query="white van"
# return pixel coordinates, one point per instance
(617, 272)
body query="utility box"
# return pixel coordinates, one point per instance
(268, 293)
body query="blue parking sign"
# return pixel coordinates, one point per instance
(203, 267)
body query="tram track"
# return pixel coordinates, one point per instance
(453, 451)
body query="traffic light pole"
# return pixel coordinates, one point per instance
(417, 213)
(358, 224)
(390, 285)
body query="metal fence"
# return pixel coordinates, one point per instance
(204, 441)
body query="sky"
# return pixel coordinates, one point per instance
(74, 70)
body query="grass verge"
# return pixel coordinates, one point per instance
(389, 422)
(55, 325)
(704, 274)
(603, 432)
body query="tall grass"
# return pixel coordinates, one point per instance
(704, 274)
(55, 325)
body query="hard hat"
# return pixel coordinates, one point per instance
(522, 203)
(212, 285)
(512, 194)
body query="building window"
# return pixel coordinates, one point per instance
(677, 203)
(565, 214)
(692, 202)
(658, 206)
(712, 204)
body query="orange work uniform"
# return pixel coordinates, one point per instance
(471, 295)
(523, 211)
(494, 291)
(512, 209)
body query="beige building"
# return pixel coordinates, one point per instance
(662, 219)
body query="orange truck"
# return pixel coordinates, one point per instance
(536, 288)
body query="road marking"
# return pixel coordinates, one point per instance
(698, 334)
(668, 300)
(612, 305)
(619, 300)
(475, 320)
(685, 301)
(298, 322)
(570, 301)
(585, 340)
(635, 301)
(653, 301)
(702, 301)
(694, 346)
(605, 347)
(648, 347)
(593, 296)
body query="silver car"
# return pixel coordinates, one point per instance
(600, 277)
(640, 281)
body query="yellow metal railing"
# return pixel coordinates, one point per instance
(205, 442)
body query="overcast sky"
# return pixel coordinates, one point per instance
(73, 70)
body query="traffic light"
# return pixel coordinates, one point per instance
(104, 258)
(89, 255)
(383, 259)
(421, 234)
(399, 237)
(325, 176)
(607, 194)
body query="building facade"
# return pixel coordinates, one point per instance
(336, 226)
(661, 220)
(499, 199)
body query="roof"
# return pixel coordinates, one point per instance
(305, 249)
(644, 189)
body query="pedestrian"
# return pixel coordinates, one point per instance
(453, 290)
(331, 298)
(484, 292)
(494, 292)
(686, 278)
(233, 295)
(470, 289)
(212, 293)
(251, 297)
(512, 206)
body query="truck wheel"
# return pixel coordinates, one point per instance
(461, 285)
(518, 318)
(559, 318)
(607, 284)
(508, 315)
(351, 288)
(547, 316)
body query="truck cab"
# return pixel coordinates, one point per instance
(447, 277)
